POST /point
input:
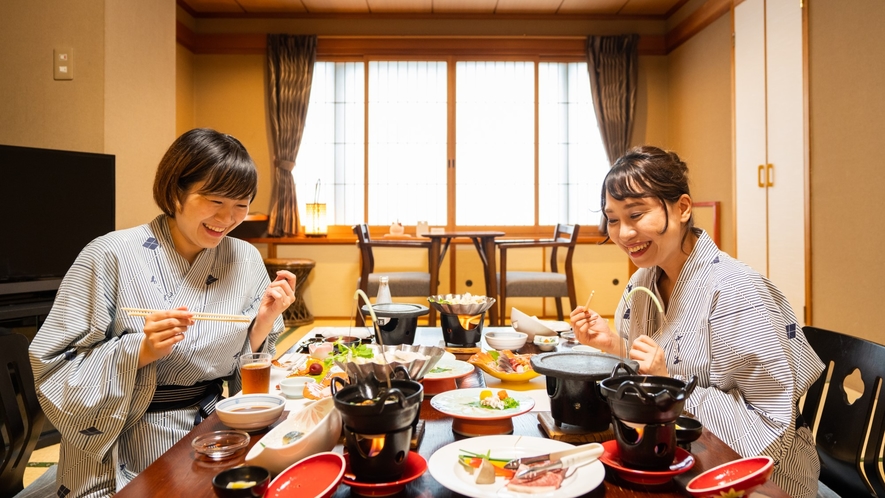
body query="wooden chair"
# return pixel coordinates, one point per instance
(402, 284)
(21, 420)
(540, 283)
(845, 449)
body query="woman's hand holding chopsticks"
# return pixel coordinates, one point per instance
(278, 296)
(163, 330)
(593, 330)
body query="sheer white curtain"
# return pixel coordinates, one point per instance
(572, 158)
(333, 146)
(495, 138)
(407, 142)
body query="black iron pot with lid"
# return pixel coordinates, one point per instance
(572, 385)
(645, 399)
(396, 321)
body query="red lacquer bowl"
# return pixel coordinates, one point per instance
(733, 479)
(318, 475)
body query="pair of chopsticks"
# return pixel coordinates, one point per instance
(212, 317)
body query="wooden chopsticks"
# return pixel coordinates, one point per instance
(212, 317)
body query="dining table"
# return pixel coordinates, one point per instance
(179, 472)
(484, 242)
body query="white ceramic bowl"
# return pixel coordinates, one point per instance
(546, 343)
(505, 339)
(250, 412)
(293, 387)
(320, 424)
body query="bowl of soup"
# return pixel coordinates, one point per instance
(250, 412)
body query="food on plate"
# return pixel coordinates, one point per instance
(486, 474)
(315, 369)
(439, 370)
(546, 482)
(291, 436)
(240, 484)
(473, 461)
(499, 401)
(323, 388)
(466, 298)
(504, 361)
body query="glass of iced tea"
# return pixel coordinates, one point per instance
(255, 372)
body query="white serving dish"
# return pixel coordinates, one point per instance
(320, 422)
(546, 342)
(239, 412)
(293, 387)
(505, 339)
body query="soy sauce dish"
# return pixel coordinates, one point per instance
(241, 482)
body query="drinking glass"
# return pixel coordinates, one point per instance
(255, 372)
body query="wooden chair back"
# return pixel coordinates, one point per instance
(849, 434)
(21, 418)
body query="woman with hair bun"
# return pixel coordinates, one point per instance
(722, 321)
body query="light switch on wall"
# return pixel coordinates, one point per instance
(63, 63)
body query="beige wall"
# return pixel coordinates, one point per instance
(847, 123)
(700, 118)
(36, 110)
(121, 100)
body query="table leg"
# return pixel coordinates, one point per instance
(491, 268)
(434, 263)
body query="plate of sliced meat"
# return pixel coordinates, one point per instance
(455, 467)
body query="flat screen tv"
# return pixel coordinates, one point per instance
(52, 203)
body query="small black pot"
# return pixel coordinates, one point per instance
(396, 321)
(572, 385)
(645, 399)
(394, 409)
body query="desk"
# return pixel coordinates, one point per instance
(485, 246)
(177, 473)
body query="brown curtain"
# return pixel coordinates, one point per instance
(290, 61)
(613, 65)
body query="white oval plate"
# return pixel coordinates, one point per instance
(457, 404)
(455, 369)
(444, 467)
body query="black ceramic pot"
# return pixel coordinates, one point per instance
(397, 321)
(572, 385)
(392, 410)
(645, 399)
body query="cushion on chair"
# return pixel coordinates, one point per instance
(407, 283)
(42, 487)
(535, 284)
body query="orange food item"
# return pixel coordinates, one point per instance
(502, 395)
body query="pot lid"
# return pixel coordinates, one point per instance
(577, 365)
(397, 310)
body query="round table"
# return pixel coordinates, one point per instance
(297, 313)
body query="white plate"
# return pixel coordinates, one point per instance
(444, 467)
(457, 368)
(457, 404)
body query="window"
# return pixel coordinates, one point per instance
(377, 140)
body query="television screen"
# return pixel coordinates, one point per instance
(53, 203)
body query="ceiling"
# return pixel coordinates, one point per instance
(604, 8)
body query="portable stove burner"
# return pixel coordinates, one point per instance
(378, 457)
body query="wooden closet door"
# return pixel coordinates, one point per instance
(750, 134)
(786, 151)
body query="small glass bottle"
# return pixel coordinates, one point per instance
(383, 296)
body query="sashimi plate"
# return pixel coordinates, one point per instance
(444, 467)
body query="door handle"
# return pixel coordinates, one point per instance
(769, 175)
(759, 176)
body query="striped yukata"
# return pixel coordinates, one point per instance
(85, 356)
(735, 330)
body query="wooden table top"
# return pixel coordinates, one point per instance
(179, 473)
